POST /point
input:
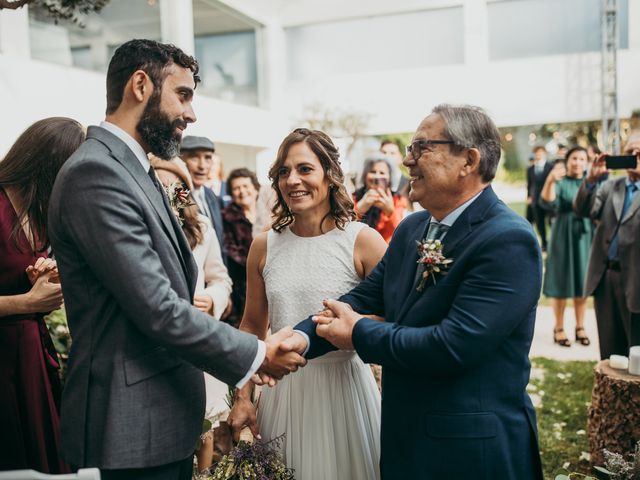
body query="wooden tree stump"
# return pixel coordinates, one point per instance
(614, 415)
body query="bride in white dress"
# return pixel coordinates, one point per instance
(330, 409)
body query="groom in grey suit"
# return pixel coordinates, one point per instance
(134, 398)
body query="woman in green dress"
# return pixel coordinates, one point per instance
(569, 246)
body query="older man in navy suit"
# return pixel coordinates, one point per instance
(454, 348)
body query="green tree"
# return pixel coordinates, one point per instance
(59, 9)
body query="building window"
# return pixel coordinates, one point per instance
(91, 47)
(227, 52)
(526, 28)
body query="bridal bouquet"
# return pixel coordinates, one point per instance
(252, 461)
(248, 460)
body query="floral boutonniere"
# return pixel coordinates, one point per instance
(432, 259)
(178, 196)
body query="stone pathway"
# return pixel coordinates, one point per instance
(510, 193)
(543, 345)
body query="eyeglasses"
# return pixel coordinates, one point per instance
(416, 148)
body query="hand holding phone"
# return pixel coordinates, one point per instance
(381, 183)
(598, 169)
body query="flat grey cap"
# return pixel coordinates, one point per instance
(191, 142)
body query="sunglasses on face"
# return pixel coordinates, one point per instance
(415, 149)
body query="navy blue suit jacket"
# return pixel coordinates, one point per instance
(215, 207)
(454, 356)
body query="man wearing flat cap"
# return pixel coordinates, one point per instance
(197, 154)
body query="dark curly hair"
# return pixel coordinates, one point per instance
(340, 204)
(148, 55)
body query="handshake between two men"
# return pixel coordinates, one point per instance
(285, 347)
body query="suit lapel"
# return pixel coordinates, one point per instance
(410, 263)
(124, 155)
(460, 230)
(617, 197)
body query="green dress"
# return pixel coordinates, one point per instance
(569, 246)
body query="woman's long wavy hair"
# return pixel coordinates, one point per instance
(30, 168)
(340, 204)
(191, 226)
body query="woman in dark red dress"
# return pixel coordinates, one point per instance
(29, 289)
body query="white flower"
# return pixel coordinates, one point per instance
(581, 432)
(586, 456)
(566, 465)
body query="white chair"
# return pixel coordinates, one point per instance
(83, 474)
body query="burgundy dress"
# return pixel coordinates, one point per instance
(29, 384)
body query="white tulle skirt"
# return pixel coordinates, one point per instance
(217, 391)
(330, 413)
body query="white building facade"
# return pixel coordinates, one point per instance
(263, 61)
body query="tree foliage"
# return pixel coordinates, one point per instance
(349, 124)
(70, 10)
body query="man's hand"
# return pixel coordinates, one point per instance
(337, 327)
(295, 343)
(598, 168)
(243, 414)
(278, 363)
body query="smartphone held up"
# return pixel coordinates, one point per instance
(621, 162)
(381, 183)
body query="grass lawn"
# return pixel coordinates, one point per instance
(561, 392)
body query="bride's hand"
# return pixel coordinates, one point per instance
(243, 414)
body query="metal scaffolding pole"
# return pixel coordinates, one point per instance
(610, 119)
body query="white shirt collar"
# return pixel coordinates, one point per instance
(134, 146)
(629, 182)
(453, 216)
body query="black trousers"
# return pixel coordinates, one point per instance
(181, 470)
(540, 216)
(618, 328)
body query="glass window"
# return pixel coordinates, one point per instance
(91, 47)
(389, 42)
(525, 28)
(226, 50)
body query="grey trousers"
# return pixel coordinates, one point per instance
(618, 328)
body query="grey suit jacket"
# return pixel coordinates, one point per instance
(134, 395)
(604, 205)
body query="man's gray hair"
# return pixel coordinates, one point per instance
(470, 127)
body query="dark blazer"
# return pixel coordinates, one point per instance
(603, 204)
(134, 395)
(454, 356)
(215, 207)
(535, 180)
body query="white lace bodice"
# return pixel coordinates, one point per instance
(300, 272)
